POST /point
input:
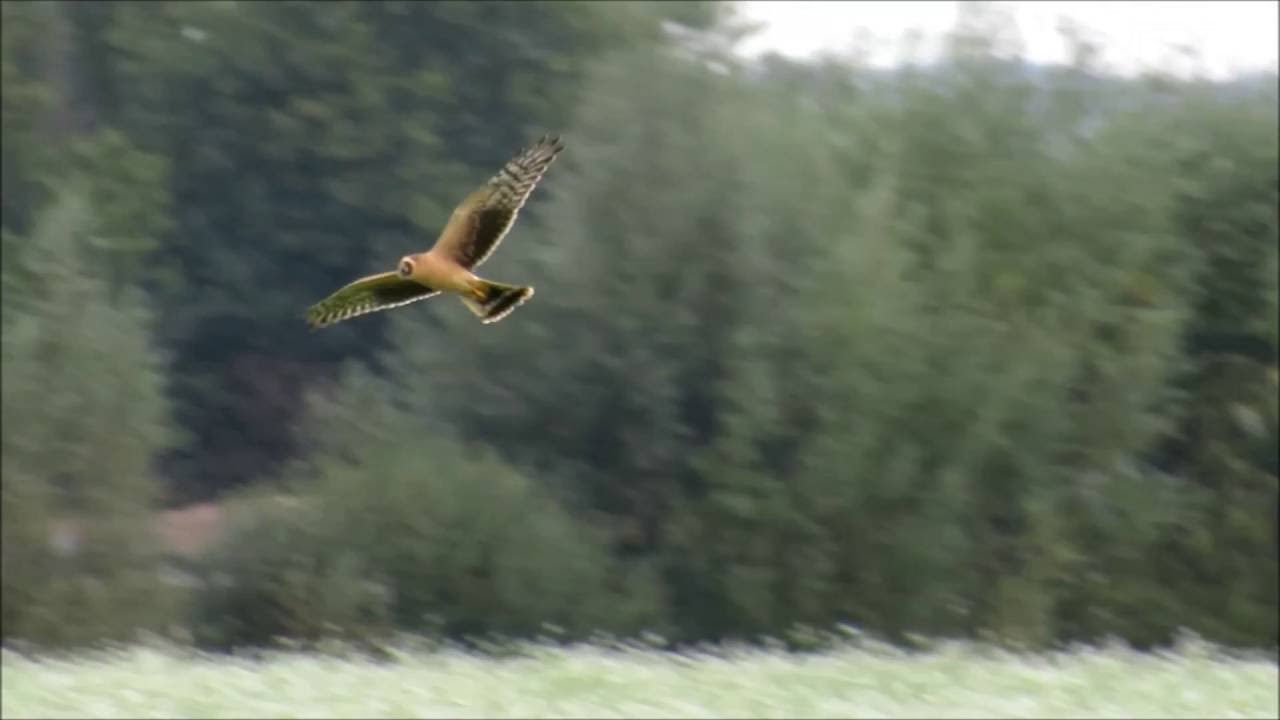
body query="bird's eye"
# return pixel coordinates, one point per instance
(406, 268)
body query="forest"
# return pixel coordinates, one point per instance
(969, 347)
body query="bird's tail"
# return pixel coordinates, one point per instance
(494, 300)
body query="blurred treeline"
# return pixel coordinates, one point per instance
(967, 348)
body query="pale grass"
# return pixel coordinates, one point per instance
(951, 681)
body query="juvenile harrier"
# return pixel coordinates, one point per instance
(476, 227)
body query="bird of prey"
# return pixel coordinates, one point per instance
(474, 230)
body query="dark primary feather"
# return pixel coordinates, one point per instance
(368, 294)
(484, 218)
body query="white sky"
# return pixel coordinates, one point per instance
(1229, 36)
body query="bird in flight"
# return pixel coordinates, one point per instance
(474, 230)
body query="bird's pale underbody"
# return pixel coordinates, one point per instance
(474, 230)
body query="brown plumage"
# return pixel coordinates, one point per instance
(476, 227)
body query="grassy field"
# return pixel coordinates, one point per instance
(951, 681)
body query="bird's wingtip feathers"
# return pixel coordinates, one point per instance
(554, 142)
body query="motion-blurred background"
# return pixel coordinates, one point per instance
(960, 344)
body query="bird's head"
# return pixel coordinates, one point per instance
(406, 266)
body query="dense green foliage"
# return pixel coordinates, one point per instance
(966, 348)
(84, 412)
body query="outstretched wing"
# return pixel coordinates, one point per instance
(484, 217)
(368, 294)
